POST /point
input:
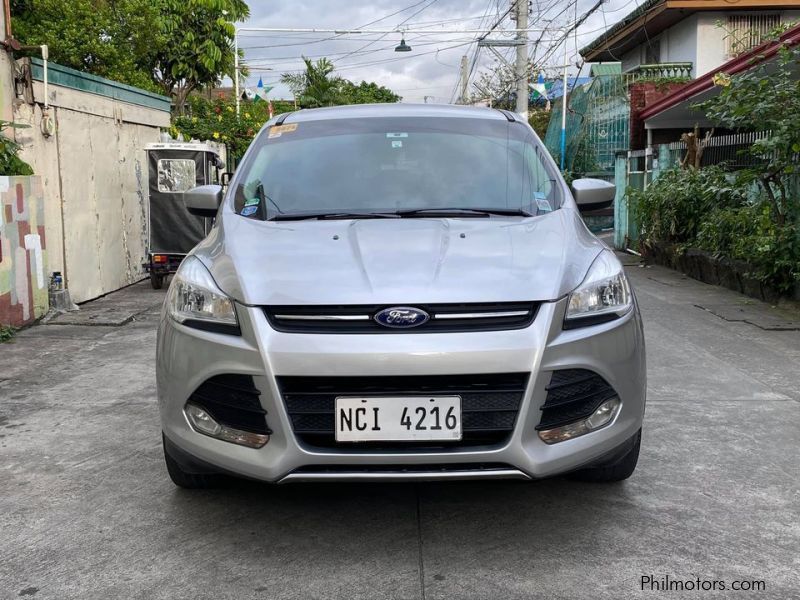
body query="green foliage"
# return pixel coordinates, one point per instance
(674, 206)
(196, 44)
(10, 163)
(539, 119)
(661, 82)
(314, 87)
(766, 99)
(749, 234)
(317, 86)
(366, 93)
(709, 209)
(166, 46)
(6, 333)
(109, 38)
(216, 120)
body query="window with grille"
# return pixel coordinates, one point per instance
(746, 31)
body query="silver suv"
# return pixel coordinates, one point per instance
(397, 292)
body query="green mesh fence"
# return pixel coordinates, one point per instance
(598, 121)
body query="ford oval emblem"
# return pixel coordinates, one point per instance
(401, 317)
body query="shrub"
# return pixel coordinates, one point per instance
(673, 208)
(6, 333)
(749, 234)
(10, 163)
(709, 209)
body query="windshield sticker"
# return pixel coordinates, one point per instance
(397, 144)
(277, 130)
(396, 135)
(251, 201)
(542, 203)
(249, 210)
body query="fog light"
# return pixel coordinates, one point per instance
(601, 417)
(204, 423)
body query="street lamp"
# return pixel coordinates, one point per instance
(403, 47)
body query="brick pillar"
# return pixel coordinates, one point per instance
(644, 94)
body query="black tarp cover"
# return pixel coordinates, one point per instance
(172, 229)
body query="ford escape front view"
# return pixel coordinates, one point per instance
(399, 292)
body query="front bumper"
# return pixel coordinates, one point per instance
(188, 357)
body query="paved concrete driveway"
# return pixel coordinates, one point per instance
(87, 510)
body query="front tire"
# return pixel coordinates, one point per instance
(187, 480)
(619, 470)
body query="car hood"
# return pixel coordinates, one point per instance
(399, 261)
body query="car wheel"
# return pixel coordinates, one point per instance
(619, 470)
(191, 481)
(157, 281)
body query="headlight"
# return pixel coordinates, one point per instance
(603, 296)
(196, 301)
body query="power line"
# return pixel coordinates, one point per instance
(401, 23)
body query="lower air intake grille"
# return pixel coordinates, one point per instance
(572, 395)
(233, 401)
(489, 405)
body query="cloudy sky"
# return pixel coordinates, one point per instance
(431, 68)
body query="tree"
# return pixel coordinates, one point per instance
(110, 38)
(10, 163)
(498, 85)
(196, 47)
(167, 46)
(366, 93)
(317, 86)
(539, 119)
(766, 98)
(216, 120)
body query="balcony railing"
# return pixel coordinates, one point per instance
(674, 70)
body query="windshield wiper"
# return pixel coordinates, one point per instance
(320, 216)
(463, 212)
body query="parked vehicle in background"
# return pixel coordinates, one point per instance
(175, 167)
(398, 292)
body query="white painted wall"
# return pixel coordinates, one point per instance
(679, 42)
(94, 177)
(697, 39)
(632, 59)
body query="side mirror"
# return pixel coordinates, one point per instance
(593, 194)
(226, 178)
(203, 200)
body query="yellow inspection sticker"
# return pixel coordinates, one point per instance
(278, 130)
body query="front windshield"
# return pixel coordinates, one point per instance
(386, 165)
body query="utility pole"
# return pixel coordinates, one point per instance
(464, 79)
(521, 67)
(564, 99)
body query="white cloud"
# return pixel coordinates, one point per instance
(414, 75)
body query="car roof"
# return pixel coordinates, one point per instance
(359, 111)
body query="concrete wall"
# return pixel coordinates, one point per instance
(698, 39)
(23, 251)
(94, 177)
(23, 248)
(677, 44)
(712, 38)
(680, 42)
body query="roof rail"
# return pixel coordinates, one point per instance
(282, 118)
(508, 115)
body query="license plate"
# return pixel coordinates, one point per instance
(398, 419)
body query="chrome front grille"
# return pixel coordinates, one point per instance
(444, 318)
